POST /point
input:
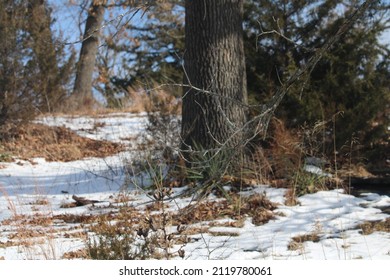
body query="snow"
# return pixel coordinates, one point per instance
(316, 170)
(331, 215)
(116, 127)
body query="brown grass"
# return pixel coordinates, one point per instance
(234, 224)
(137, 100)
(285, 149)
(258, 206)
(291, 197)
(76, 219)
(370, 227)
(39, 231)
(54, 144)
(224, 233)
(354, 170)
(78, 254)
(297, 242)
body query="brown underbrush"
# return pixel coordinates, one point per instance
(52, 143)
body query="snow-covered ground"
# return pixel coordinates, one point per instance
(36, 188)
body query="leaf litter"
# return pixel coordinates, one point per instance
(252, 224)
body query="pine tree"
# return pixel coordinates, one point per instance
(349, 80)
(48, 54)
(149, 52)
(33, 70)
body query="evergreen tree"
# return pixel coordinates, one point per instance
(51, 70)
(148, 49)
(14, 88)
(33, 71)
(349, 81)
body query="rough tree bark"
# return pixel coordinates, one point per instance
(82, 90)
(214, 60)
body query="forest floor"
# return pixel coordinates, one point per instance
(67, 182)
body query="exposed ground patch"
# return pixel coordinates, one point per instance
(372, 226)
(53, 144)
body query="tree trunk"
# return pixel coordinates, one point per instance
(82, 90)
(214, 111)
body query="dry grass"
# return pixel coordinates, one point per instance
(257, 206)
(136, 224)
(286, 154)
(285, 150)
(355, 170)
(297, 242)
(119, 232)
(224, 233)
(78, 254)
(54, 144)
(291, 198)
(32, 235)
(76, 219)
(137, 100)
(373, 226)
(75, 105)
(258, 168)
(121, 227)
(233, 223)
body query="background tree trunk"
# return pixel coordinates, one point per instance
(214, 61)
(82, 90)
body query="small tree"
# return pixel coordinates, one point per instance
(33, 70)
(48, 56)
(147, 48)
(12, 86)
(282, 36)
